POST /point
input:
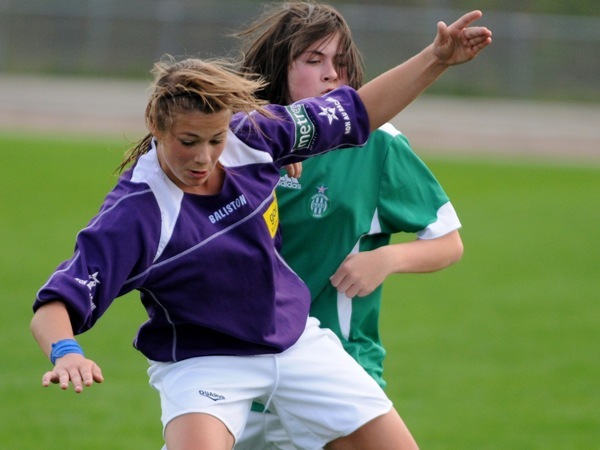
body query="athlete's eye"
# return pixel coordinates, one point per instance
(341, 63)
(313, 58)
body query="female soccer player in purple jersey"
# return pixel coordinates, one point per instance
(192, 226)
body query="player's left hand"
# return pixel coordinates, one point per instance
(360, 274)
(75, 369)
(459, 43)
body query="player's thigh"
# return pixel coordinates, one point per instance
(387, 431)
(197, 432)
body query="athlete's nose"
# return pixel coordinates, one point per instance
(202, 154)
(330, 73)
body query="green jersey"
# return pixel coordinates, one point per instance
(350, 201)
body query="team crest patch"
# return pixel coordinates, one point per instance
(305, 129)
(319, 204)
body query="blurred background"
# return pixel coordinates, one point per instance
(498, 352)
(543, 49)
(70, 65)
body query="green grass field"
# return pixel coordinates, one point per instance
(497, 352)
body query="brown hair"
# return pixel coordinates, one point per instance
(282, 33)
(194, 85)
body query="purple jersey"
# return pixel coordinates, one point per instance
(209, 273)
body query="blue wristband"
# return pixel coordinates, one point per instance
(64, 347)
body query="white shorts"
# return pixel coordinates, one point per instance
(318, 391)
(264, 431)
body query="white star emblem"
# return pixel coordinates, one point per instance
(329, 113)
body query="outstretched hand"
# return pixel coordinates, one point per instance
(459, 43)
(76, 369)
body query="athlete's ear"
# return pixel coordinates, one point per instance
(152, 128)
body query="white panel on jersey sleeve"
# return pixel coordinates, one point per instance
(447, 221)
(167, 194)
(238, 153)
(390, 129)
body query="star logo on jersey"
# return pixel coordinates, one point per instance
(90, 283)
(328, 112)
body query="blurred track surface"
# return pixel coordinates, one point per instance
(115, 108)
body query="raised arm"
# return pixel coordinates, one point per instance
(389, 93)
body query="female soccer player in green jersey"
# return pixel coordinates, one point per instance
(338, 217)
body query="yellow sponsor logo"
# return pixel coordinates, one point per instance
(271, 217)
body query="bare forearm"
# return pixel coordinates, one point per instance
(50, 324)
(422, 256)
(388, 94)
(361, 273)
